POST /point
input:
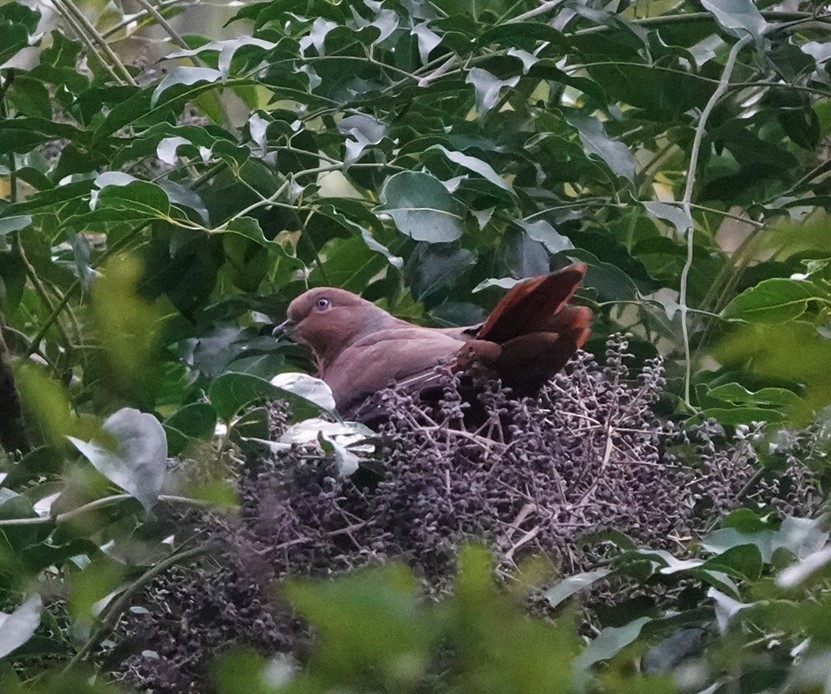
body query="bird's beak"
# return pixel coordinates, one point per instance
(285, 329)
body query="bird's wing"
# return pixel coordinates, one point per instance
(384, 357)
(532, 306)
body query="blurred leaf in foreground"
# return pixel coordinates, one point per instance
(375, 633)
(794, 351)
(128, 327)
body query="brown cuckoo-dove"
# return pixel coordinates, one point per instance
(360, 349)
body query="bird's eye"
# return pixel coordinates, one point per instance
(322, 304)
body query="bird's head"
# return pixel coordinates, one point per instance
(328, 320)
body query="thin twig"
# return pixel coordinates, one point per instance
(723, 213)
(607, 454)
(479, 440)
(163, 23)
(687, 204)
(82, 36)
(525, 539)
(94, 505)
(90, 31)
(140, 19)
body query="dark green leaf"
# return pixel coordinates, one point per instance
(488, 87)
(542, 231)
(615, 154)
(194, 421)
(421, 207)
(247, 227)
(230, 392)
(476, 166)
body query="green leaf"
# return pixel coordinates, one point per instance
(194, 421)
(226, 49)
(609, 643)
(476, 166)
(30, 97)
(62, 196)
(220, 494)
(307, 387)
(15, 27)
(120, 197)
(45, 554)
(616, 155)
(670, 213)
(14, 223)
(436, 268)
(542, 231)
(573, 584)
(24, 134)
(199, 143)
(808, 570)
(17, 13)
(796, 350)
(231, 392)
(240, 670)
(776, 300)
(366, 620)
(524, 34)
(737, 394)
(523, 256)
(350, 264)
(801, 536)
(19, 626)
(421, 207)
(362, 226)
(741, 561)
(487, 87)
(186, 76)
(133, 454)
(747, 521)
(735, 15)
(733, 416)
(247, 227)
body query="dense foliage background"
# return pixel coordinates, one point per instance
(166, 193)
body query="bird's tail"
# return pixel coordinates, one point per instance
(535, 329)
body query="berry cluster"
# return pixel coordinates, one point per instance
(532, 476)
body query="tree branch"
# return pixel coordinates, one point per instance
(686, 203)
